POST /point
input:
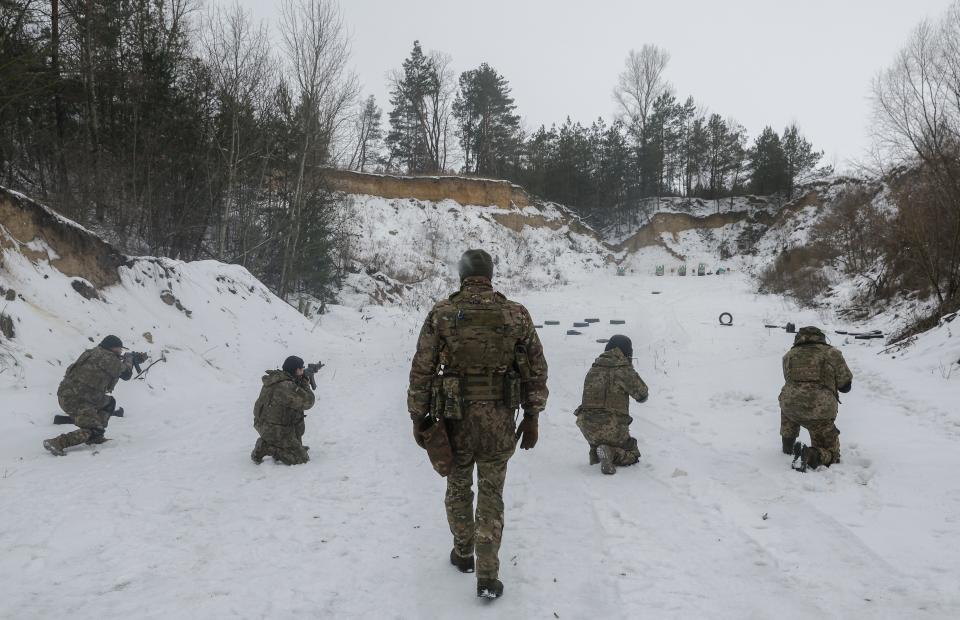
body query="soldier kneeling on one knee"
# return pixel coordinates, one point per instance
(278, 414)
(604, 414)
(813, 373)
(84, 393)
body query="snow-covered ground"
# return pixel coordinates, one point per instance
(414, 243)
(171, 519)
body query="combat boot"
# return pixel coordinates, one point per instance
(463, 564)
(53, 447)
(96, 437)
(259, 451)
(594, 459)
(788, 444)
(605, 454)
(811, 457)
(489, 588)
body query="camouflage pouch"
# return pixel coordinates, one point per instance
(436, 442)
(437, 399)
(452, 397)
(511, 390)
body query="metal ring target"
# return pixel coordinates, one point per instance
(729, 320)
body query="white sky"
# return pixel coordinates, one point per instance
(759, 61)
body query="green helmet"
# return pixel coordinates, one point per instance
(475, 263)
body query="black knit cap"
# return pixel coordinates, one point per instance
(291, 364)
(620, 342)
(475, 263)
(111, 342)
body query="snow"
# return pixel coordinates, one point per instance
(418, 244)
(171, 519)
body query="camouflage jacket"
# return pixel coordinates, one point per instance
(439, 335)
(610, 383)
(94, 374)
(282, 400)
(813, 373)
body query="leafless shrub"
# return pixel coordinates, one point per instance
(797, 272)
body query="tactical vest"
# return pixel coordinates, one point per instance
(73, 371)
(808, 364)
(599, 391)
(480, 353)
(88, 374)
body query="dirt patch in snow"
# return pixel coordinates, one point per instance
(463, 190)
(40, 234)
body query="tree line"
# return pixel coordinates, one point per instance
(177, 131)
(190, 132)
(659, 145)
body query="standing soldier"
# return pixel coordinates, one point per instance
(84, 393)
(603, 416)
(278, 414)
(479, 354)
(814, 373)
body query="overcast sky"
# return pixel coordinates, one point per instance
(763, 62)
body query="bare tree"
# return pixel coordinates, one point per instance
(917, 125)
(237, 53)
(439, 120)
(367, 134)
(640, 84)
(422, 93)
(317, 51)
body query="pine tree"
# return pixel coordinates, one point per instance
(419, 121)
(799, 157)
(488, 126)
(768, 165)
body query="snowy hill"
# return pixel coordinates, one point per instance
(171, 519)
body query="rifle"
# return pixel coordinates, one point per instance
(790, 328)
(65, 419)
(141, 373)
(310, 371)
(137, 358)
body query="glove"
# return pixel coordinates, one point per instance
(527, 431)
(417, 437)
(139, 358)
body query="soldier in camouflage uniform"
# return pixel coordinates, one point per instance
(603, 416)
(478, 359)
(278, 414)
(84, 393)
(814, 373)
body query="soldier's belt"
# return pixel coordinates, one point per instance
(482, 387)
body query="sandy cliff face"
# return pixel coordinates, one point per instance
(463, 190)
(39, 233)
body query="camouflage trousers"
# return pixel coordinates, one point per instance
(601, 427)
(484, 438)
(91, 417)
(284, 443)
(824, 436)
(477, 532)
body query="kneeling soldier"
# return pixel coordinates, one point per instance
(279, 414)
(84, 393)
(814, 373)
(603, 416)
